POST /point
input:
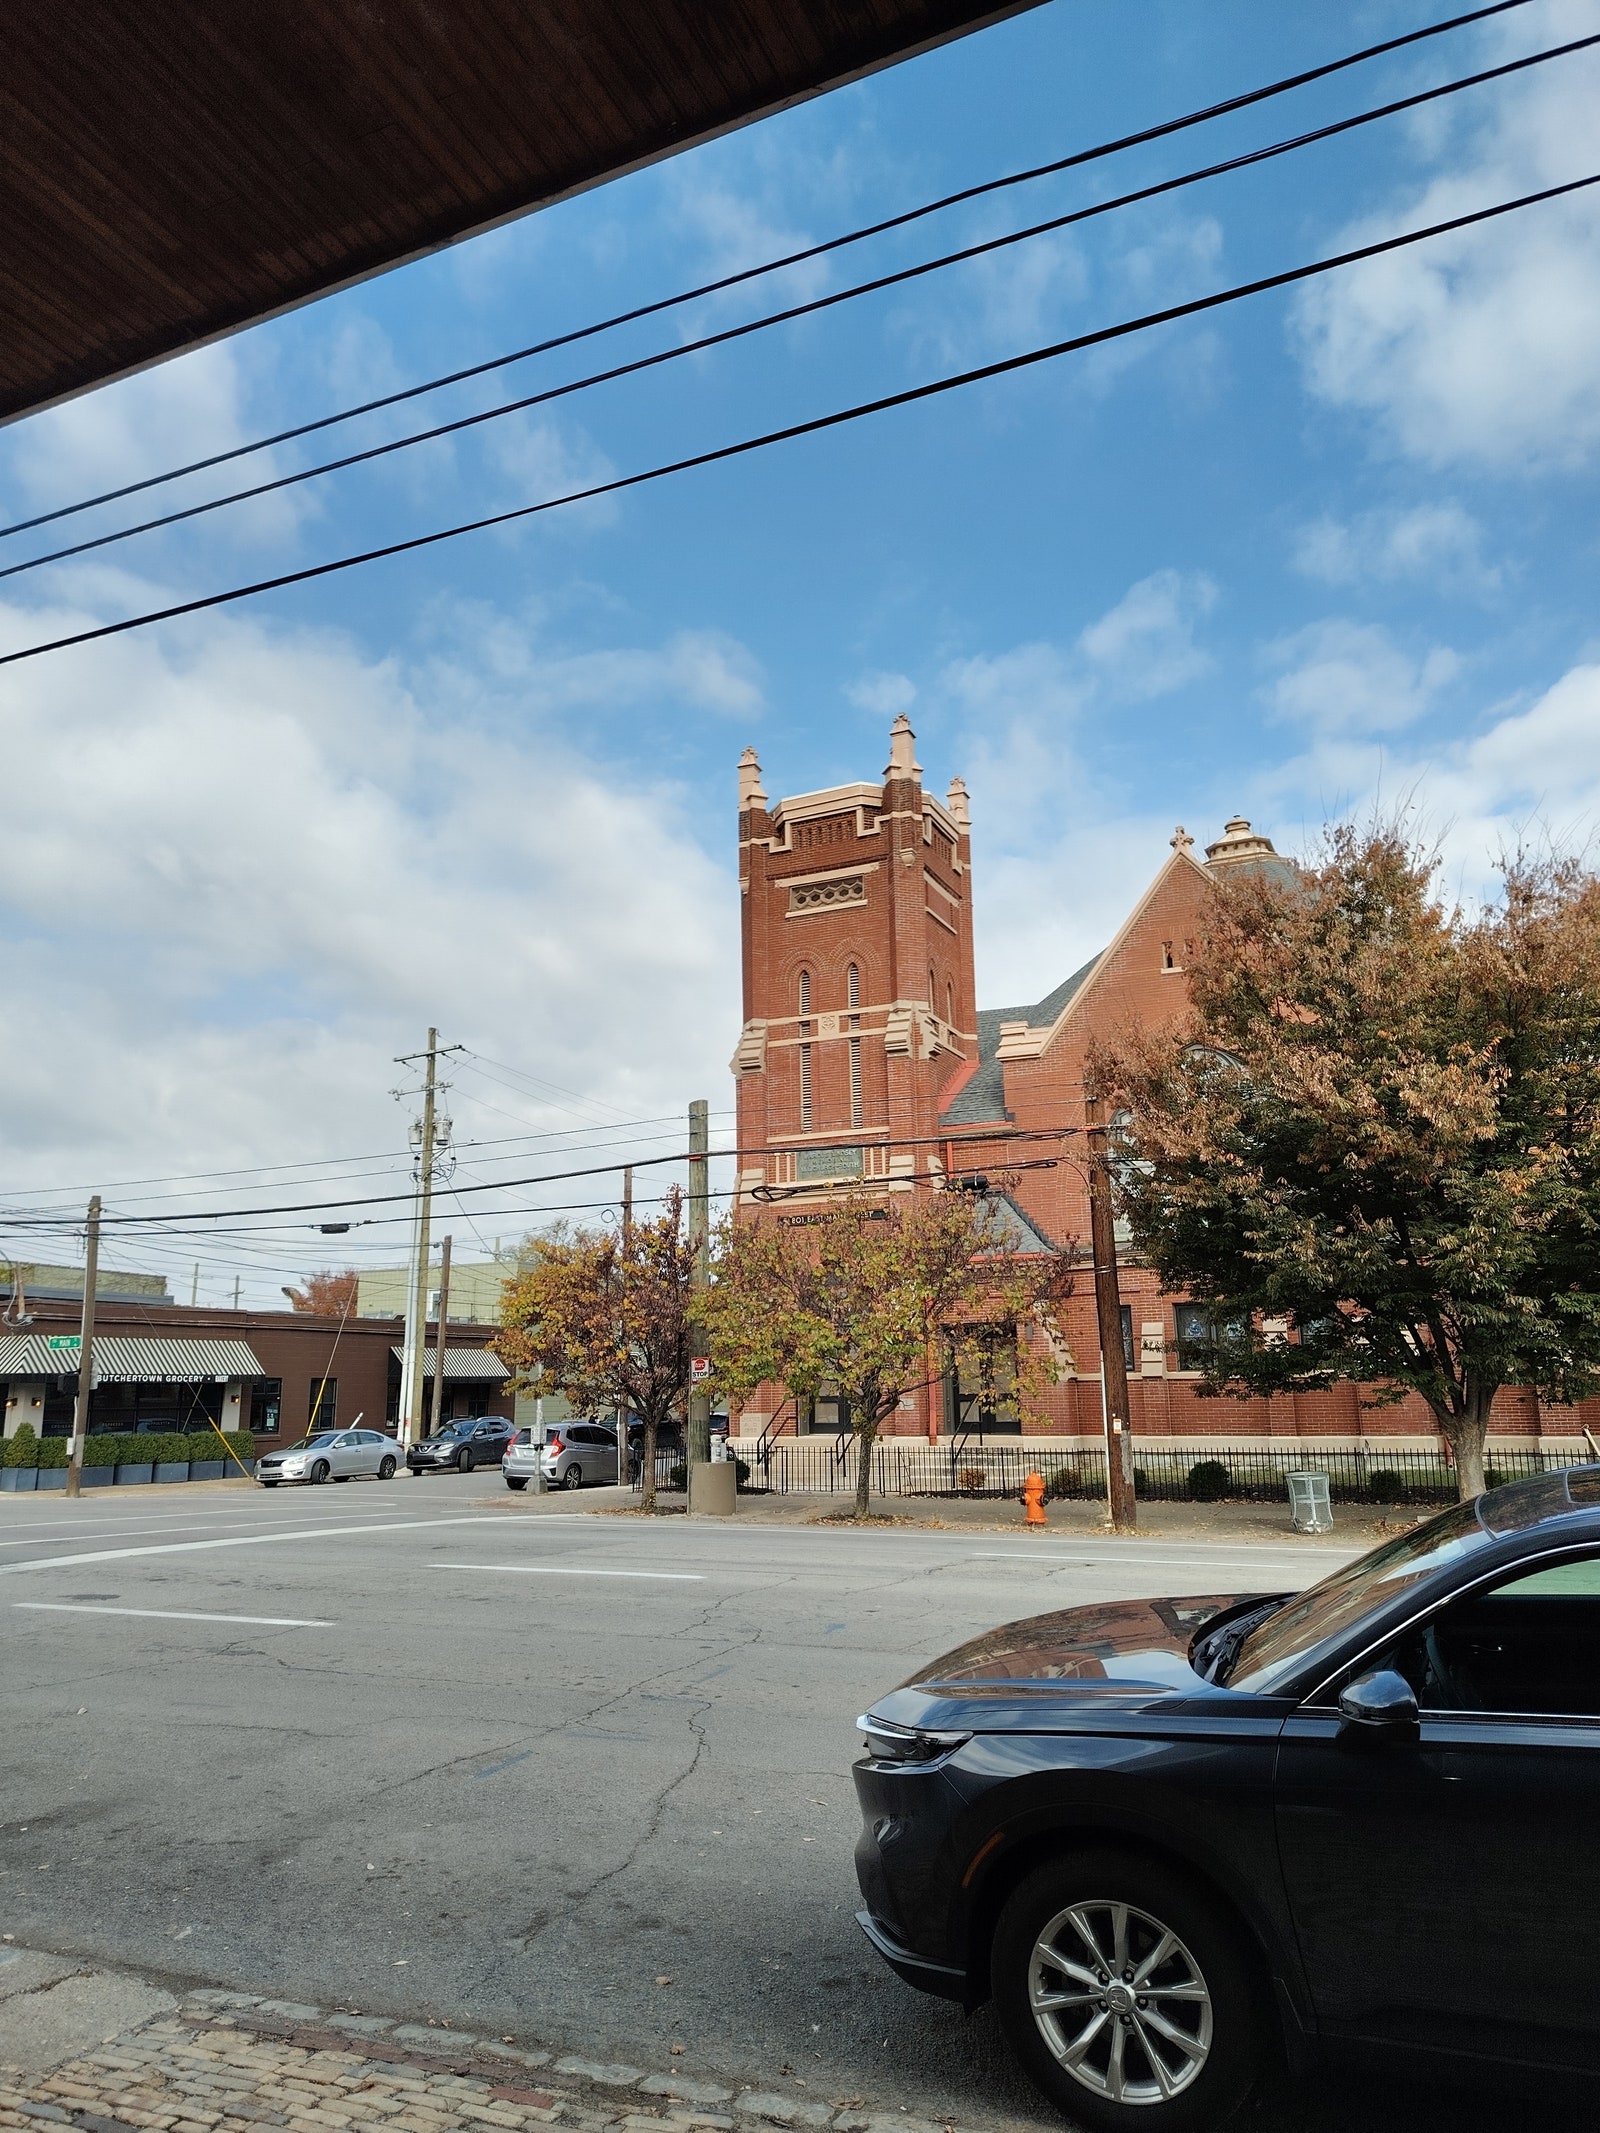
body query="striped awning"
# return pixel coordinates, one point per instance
(131, 1359)
(460, 1363)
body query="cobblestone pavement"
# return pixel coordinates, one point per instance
(229, 2063)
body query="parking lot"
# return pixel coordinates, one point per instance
(429, 1749)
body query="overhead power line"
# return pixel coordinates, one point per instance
(1246, 160)
(1076, 160)
(550, 1177)
(815, 424)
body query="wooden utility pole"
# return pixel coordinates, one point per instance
(1108, 1309)
(699, 1444)
(80, 1412)
(413, 1401)
(623, 1416)
(436, 1390)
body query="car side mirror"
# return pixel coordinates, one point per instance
(1379, 1705)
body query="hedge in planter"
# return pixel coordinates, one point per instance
(19, 1460)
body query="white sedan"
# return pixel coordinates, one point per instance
(331, 1455)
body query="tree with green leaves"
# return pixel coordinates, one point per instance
(603, 1318)
(865, 1300)
(1373, 1146)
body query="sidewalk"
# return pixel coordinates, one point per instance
(226, 2062)
(1354, 1525)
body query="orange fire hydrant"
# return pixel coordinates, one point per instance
(1033, 1497)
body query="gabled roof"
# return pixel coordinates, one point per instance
(1019, 1231)
(981, 1096)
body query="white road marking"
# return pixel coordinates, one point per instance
(550, 1570)
(257, 1540)
(1158, 1557)
(168, 1614)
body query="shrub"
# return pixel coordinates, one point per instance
(1061, 1481)
(678, 1478)
(52, 1452)
(972, 1478)
(242, 1444)
(22, 1449)
(111, 1448)
(1493, 1478)
(1141, 1480)
(1209, 1481)
(167, 1447)
(741, 1468)
(1385, 1486)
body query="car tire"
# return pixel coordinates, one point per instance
(319, 1473)
(272, 1484)
(1098, 2062)
(464, 1460)
(513, 1483)
(386, 1468)
(573, 1477)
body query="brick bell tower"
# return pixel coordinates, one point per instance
(859, 997)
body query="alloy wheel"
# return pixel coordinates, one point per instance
(1121, 2004)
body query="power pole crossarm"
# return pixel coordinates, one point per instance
(1108, 1310)
(80, 1412)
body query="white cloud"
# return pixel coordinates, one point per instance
(1482, 346)
(1144, 646)
(541, 458)
(171, 415)
(1436, 545)
(1343, 678)
(243, 869)
(884, 695)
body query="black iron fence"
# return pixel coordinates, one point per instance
(1232, 1473)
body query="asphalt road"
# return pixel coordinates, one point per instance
(427, 1750)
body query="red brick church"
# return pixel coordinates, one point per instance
(864, 1056)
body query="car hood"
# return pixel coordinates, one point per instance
(1123, 1652)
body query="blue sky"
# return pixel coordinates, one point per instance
(1310, 552)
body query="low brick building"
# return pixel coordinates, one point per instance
(864, 1058)
(165, 1366)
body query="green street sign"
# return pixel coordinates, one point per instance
(63, 1340)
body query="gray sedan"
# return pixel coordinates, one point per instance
(331, 1455)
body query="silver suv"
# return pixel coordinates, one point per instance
(572, 1453)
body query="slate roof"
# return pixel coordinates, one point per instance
(1019, 1231)
(982, 1097)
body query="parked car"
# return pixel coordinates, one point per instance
(331, 1455)
(473, 1441)
(1155, 1832)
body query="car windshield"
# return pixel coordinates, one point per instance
(319, 1442)
(1278, 1646)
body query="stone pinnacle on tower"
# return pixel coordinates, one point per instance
(750, 793)
(956, 801)
(902, 761)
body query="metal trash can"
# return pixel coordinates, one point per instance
(1309, 1504)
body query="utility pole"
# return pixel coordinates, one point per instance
(412, 1402)
(194, 1286)
(238, 1281)
(436, 1390)
(699, 1444)
(1108, 1308)
(80, 1412)
(623, 1417)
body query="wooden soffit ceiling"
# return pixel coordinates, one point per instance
(176, 169)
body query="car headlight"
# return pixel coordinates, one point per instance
(902, 1745)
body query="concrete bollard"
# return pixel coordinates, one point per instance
(713, 1489)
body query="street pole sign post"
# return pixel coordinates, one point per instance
(1108, 1309)
(85, 1347)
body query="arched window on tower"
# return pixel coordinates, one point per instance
(852, 997)
(805, 1051)
(933, 992)
(950, 1003)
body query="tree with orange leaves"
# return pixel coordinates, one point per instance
(1374, 1145)
(329, 1291)
(857, 1295)
(603, 1318)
